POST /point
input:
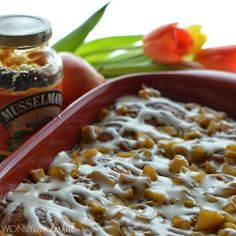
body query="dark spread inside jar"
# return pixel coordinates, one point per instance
(22, 69)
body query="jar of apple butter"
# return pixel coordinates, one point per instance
(30, 79)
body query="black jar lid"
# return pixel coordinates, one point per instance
(23, 31)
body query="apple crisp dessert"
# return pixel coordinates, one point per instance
(150, 166)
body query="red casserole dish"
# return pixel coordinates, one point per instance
(213, 89)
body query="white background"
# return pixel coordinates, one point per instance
(122, 17)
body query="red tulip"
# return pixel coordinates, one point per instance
(218, 58)
(167, 44)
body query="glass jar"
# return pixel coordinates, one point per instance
(30, 79)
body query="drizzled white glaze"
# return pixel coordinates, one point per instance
(137, 214)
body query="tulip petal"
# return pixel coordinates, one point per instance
(160, 31)
(184, 41)
(218, 58)
(167, 44)
(163, 49)
(198, 36)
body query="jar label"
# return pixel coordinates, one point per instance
(25, 115)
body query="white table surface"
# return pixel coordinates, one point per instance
(133, 16)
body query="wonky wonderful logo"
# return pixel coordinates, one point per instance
(29, 229)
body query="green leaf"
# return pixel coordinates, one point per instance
(108, 44)
(123, 56)
(72, 41)
(114, 56)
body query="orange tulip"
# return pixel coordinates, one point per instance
(167, 44)
(218, 58)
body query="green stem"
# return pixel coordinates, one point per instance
(120, 59)
(118, 70)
